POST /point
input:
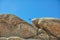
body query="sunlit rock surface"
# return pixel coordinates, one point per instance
(11, 25)
(50, 25)
(11, 38)
(15, 28)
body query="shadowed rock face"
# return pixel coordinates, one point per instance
(50, 25)
(10, 25)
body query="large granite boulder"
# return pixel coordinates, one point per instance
(14, 28)
(50, 25)
(11, 25)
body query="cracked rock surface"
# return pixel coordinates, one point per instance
(15, 28)
(10, 25)
(51, 26)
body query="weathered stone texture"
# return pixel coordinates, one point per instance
(50, 25)
(14, 28)
(10, 25)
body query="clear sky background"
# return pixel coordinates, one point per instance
(28, 9)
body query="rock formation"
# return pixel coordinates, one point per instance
(15, 28)
(50, 25)
(10, 25)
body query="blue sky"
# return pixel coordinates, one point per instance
(28, 9)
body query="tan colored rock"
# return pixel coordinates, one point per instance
(10, 25)
(50, 25)
(26, 30)
(15, 38)
(3, 38)
(11, 38)
(35, 22)
(42, 35)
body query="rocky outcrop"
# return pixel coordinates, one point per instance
(50, 25)
(15, 28)
(10, 25)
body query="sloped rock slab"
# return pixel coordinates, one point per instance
(50, 25)
(11, 25)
